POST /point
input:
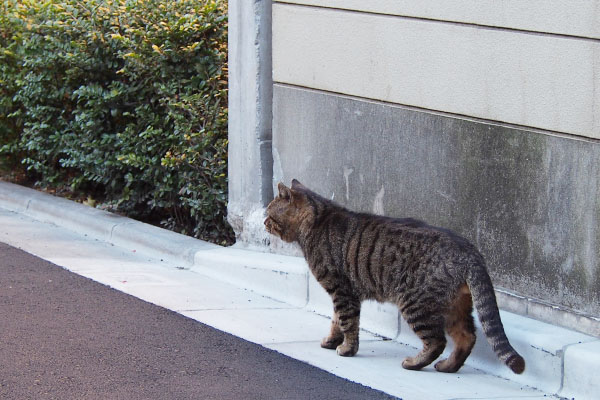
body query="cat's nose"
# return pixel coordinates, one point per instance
(268, 224)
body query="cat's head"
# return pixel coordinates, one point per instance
(289, 212)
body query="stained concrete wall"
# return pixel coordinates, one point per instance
(250, 101)
(483, 119)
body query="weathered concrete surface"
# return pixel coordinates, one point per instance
(250, 94)
(530, 201)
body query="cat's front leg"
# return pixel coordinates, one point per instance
(343, 334)
(346, 319)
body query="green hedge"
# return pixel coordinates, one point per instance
(125, 100)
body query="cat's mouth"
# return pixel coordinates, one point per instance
(272, 226)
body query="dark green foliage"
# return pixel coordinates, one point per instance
(124, 100)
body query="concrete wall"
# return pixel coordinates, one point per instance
(250, 101)
(480, 116)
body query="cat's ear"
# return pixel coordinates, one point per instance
(284, 191)
(296, 185)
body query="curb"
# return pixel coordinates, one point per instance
(559, 361)
(102, 225)
(283, 278)
(550, 351)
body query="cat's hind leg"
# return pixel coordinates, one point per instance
(430, 329)
(461, 328)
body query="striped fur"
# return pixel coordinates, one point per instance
(432, 274)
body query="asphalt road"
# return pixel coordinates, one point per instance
(63, 336)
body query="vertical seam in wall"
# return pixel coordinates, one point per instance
(112, 229)
(595, 87)
(307, 280)
(562, 368)
(399, 329)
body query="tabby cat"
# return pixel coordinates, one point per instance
(429, 272)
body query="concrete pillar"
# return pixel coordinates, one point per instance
(250, 116)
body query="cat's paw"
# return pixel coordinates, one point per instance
(347, 350)
(446, 366)
(411, 363)
(331, 342)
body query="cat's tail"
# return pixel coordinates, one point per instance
(484, 299)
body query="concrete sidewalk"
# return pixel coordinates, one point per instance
(288, 310)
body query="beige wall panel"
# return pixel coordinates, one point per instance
(541, 81)
(575, 17)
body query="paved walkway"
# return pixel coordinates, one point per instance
(172, 272)
(68, 337)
